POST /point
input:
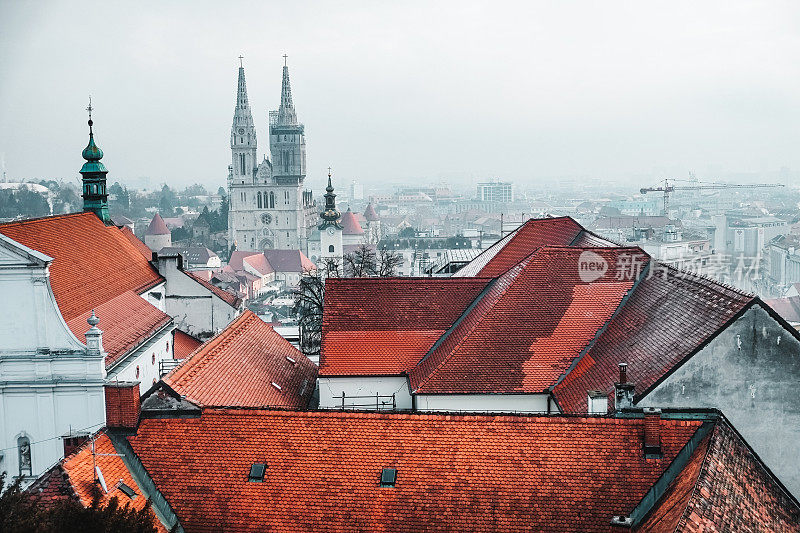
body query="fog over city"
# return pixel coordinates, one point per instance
(408, 91)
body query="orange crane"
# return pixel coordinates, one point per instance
(669, 187)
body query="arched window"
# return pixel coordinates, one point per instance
(259, 199)
(271, 199)
(242, 164)
(24, 452)
(330, 248)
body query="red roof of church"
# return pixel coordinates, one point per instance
(126, 322)
(350, 224)
(293, 261)
(384, 326)
(157, 226)
(184, 344)
(248, 365)
(259, 263)
(526, 331)
(237, 257)
(369, 213)
(520, 243)
(92, 263)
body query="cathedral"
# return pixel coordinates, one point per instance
(269, 209)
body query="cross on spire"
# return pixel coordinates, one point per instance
(240, 61)
(89, 109)
(284, 59)
(329, 172)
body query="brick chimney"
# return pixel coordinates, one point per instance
(623, 391)
(122, 404)
(652, 433)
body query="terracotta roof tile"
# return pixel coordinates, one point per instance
(289, 261)
(529, 327)
(157, 226)
(350, 225)
(80, 471)
(228, 297)
(414, 312)
(126, 321)
(369, 213)
(668, 316)
(520, 243)
(184, 344)
(146, 252)
(242, 365)
(92, 263)
(724, 487)
(454, 473)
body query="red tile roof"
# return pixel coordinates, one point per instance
(289, 261)
(350, 225)
(259, 263)
(724, 487)
(76, 474)
(146, 252)
(92, 263)
(668, 316)
(454, 473)
(157, 226)
(384, 326)
(184, 344)
(126, 321)
(528, 328)
(520, 243)
(369, 213)
(242, 366)
(788, 308)
(235, 261)
(227, 297)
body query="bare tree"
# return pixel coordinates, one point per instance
(361, 263)
(388, 262)
(310, 295)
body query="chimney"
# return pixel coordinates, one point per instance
(122, 404)
(623, 391)
(652, 433)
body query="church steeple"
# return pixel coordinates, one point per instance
(330, 216)
(286, 113)
(243, 135)
(94, 195)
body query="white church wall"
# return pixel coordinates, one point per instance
(143, 363)
(50, 382)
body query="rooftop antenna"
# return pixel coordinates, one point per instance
(98, 474)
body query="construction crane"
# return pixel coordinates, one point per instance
(669, 187)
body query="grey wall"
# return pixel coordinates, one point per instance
(751, 372)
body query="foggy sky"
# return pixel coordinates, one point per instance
(418, 91)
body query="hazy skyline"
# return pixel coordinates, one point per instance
(406, 91)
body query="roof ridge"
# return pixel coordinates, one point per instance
(519, 267)
(37, 219)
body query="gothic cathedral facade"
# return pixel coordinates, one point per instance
(269, 209)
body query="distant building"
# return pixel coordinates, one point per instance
(268, 206)
(157, 235)
(496, 191)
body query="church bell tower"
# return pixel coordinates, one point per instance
(93, 172)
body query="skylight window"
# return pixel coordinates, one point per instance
(257, 472)
(276, 385)
(291, 360)
(388, 477)
(129, 492)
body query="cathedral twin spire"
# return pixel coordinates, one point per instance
(286, 113)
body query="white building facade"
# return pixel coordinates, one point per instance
(268, 206)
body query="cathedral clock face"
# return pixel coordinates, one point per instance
(331, 231)
(266, 218)
(241, 131)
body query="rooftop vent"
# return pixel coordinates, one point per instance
(388, 477)
(276, 385)
(291, 360)
(257, 472)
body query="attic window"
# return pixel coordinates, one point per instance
(388, 477)
(276, 385)
(129, 492)
(291, 360)
(257, 472)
